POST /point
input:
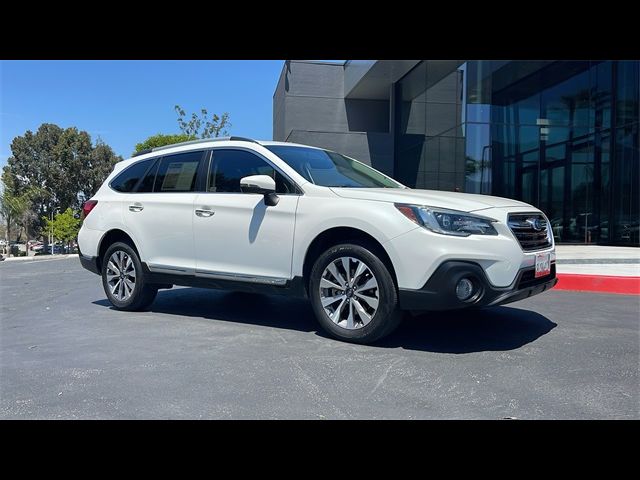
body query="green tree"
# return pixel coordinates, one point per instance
(160, 140)
(99, 166)
(12, 208)
(63, 227)
(16, 208)
(32, 163)
(60, 166)
(201, 126)
(72, 157)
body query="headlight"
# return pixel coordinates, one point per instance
(447, 222)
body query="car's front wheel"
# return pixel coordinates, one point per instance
(123, 279)
(353, 294)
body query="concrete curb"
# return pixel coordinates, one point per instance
(598, 283)
(39, 258)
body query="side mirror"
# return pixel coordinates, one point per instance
(258, 184)
(262, 184)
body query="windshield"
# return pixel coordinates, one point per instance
(329, 169)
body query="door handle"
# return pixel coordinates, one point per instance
(136, 207)
(203, 212)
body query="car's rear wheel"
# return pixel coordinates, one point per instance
(123, 279)
(353, 294)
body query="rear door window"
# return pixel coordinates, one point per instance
(177, 173)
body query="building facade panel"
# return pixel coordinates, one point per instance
(561, 135)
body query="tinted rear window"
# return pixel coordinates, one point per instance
(126, 181)
(146, 185)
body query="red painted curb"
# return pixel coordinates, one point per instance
(598, 283)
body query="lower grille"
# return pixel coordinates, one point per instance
(528, 278)
(531, 230)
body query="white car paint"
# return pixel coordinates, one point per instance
(246, 238)
(164, 229)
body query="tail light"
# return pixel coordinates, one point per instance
(87, 207)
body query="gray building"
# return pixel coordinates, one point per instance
(561, 135)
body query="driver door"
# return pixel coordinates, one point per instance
(237, 236)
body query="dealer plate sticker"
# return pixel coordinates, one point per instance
(543, 264)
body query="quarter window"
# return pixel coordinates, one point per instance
(126, 181)
(228, 167)
(177, 173)
(146, 185)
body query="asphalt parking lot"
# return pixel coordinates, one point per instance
(207, 354)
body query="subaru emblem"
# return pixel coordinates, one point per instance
(535, 223)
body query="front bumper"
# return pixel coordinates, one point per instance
(439, 291)
(418, 253)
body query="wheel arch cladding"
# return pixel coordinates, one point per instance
(337, 235)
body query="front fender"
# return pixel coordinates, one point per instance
(316, 215)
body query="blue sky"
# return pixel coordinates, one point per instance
(124, 102)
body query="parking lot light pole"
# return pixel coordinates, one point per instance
(51, 230)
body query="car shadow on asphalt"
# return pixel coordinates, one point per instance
(465, 331)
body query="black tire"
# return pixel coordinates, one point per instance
(386, 318)
(143, 293)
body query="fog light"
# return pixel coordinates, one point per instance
(464, 289)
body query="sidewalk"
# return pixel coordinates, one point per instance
(596, 268)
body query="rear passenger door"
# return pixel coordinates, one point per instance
(160, 213)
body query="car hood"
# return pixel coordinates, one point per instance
(465, 202)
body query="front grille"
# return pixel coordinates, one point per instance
(531, 230)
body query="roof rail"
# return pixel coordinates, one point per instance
(193, 142)
(242, 139)
(142, 152)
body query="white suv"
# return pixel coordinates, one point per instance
(278, 217)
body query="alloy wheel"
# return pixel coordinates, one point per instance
(121, 275)
(349, 292)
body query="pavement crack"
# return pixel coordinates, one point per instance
(315, 392)
(280, 336)
(382, 378)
